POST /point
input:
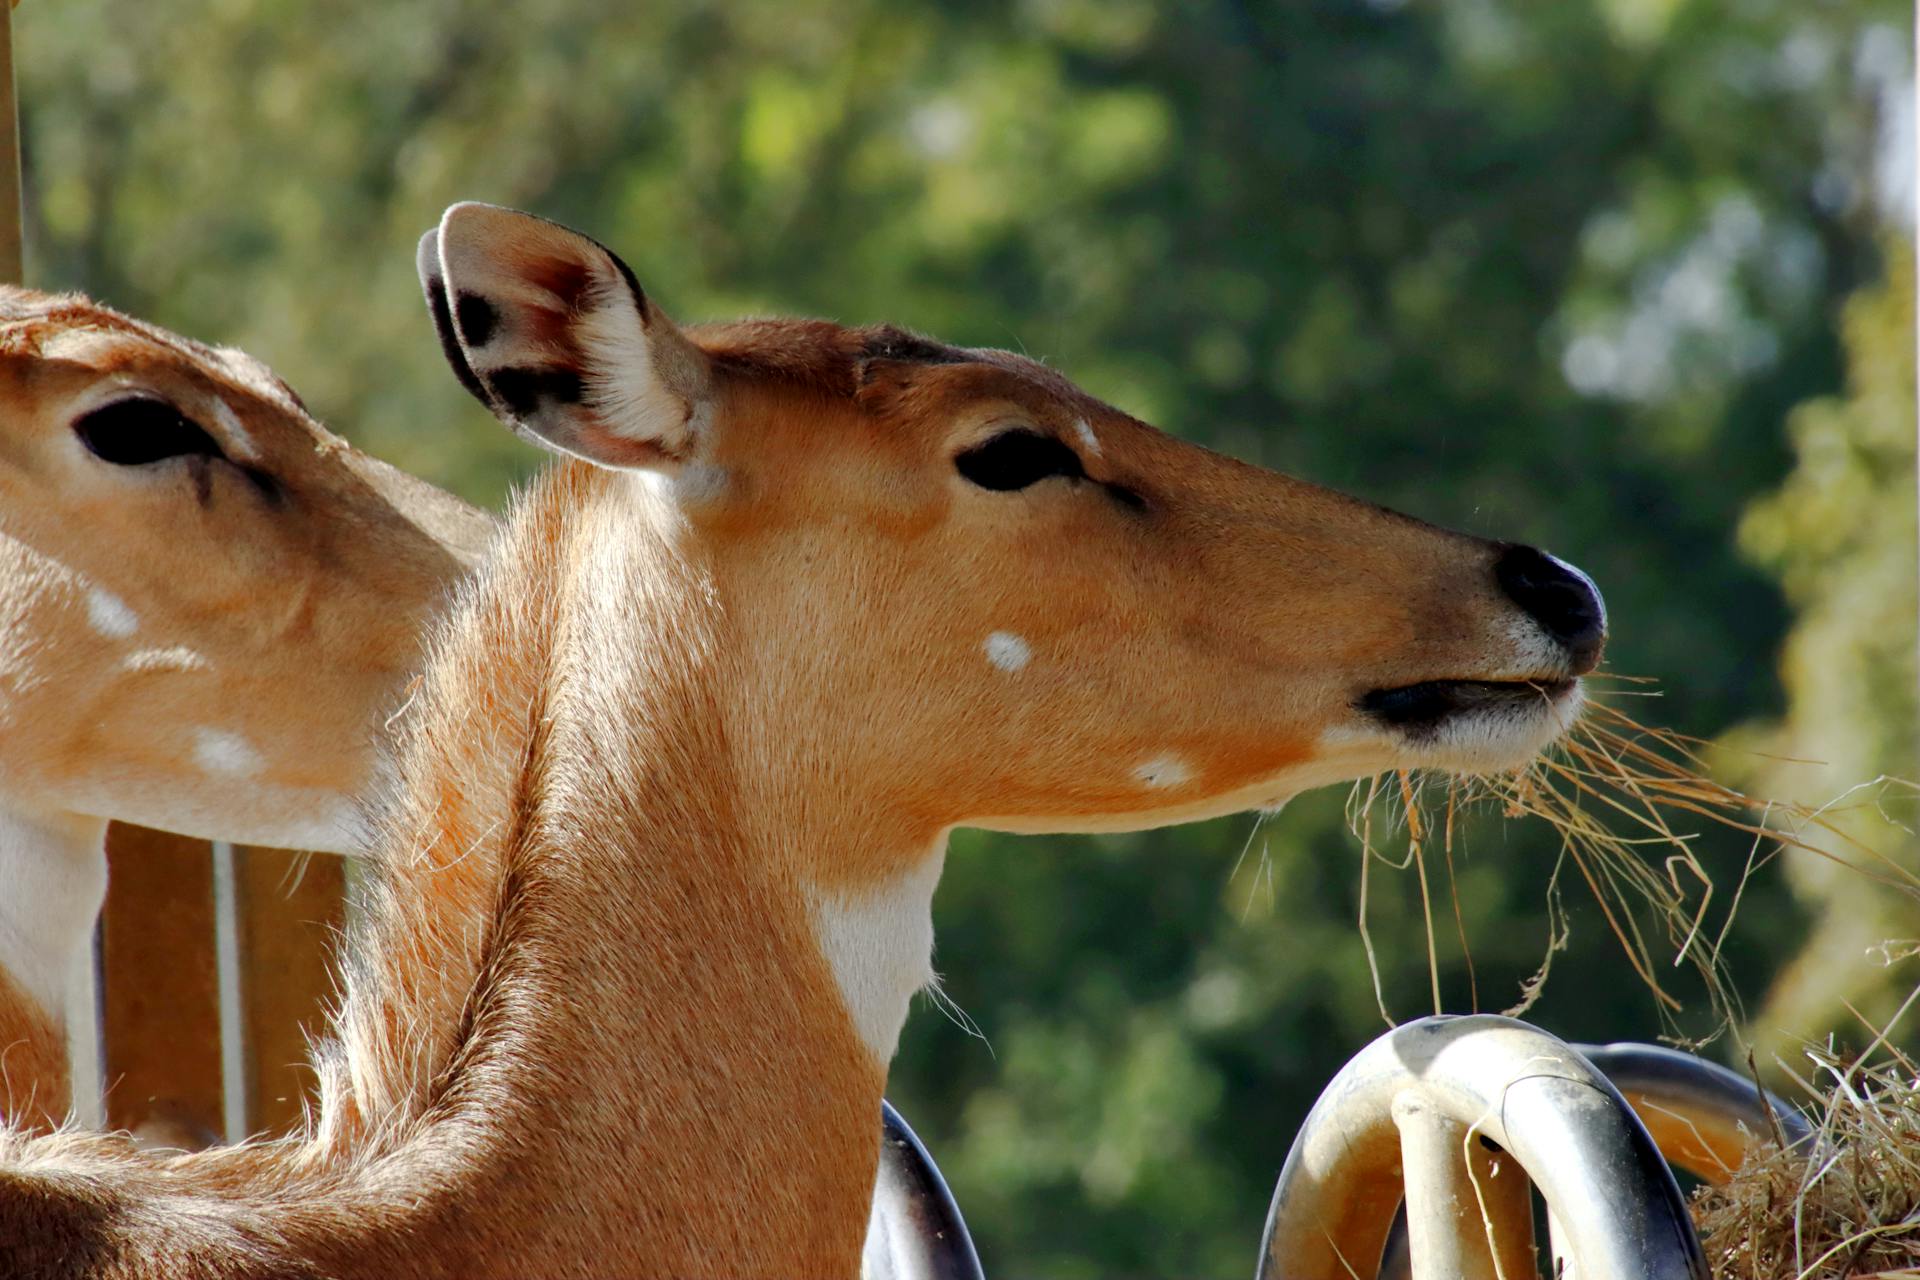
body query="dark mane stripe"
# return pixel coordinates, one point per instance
(889, 343)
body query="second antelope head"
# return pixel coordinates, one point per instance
(205, 596)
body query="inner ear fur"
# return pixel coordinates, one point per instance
(552, 332)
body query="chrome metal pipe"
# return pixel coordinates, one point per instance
(1618, 1209)
(915, 1231)
(1702, 1116)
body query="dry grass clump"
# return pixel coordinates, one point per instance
(1846, 1205)
(1623, 797)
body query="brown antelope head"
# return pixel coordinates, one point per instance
(958, 590)
(205, 598)
(997, 600)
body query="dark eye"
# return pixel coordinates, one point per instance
(133, 433)
(1016, 459)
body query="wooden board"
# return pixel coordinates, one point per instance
(160, 1006)
(291, 910)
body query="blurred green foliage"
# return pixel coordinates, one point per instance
(1841, 533)
(1551, 272)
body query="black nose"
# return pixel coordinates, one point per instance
(1560, 598)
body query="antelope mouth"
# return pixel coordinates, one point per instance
(1422, 710)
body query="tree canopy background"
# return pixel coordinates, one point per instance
(1559, 273)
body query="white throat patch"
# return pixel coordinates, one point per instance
(879, 945)
(56, 878)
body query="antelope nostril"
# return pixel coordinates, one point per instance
(1559, 597)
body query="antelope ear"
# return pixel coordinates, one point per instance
(551, 332)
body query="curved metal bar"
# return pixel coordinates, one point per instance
(1618, 1212)
(1702, 1116)
(915, 1231)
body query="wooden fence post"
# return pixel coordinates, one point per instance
(211, 987)
(11, 254)
(160, 1005)
(291, 909)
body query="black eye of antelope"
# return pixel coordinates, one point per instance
(1016, 459)
(142, 430)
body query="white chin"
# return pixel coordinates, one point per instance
(1495, 739)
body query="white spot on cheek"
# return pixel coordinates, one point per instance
(237, 438)
(175, 659)
(1087, 438)
(110, 616)
(1007, 651)
(218, 751)
(1163, 771)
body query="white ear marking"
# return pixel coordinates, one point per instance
(697, 482)
(110, 616)
(552, 332)
(626, 388)
(1163, 771)
(1007, 651)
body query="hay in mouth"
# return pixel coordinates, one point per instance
(1624, 799)
(1428, 704)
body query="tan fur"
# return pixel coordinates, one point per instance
(33, 1061)
(590, 1029)
(282, 623)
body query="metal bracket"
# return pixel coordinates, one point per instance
(1399, 1118)
(916, 1231)
(1413, 1115)
(1703, 1117)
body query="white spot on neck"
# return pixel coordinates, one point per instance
(1163, 771)
(879, 945)
(238, 440)
(1087, 438)
(229, 754)
(1007, 651)
(109, 614)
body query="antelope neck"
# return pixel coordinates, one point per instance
(656, 996)
(669, 1016)
(55, 870)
